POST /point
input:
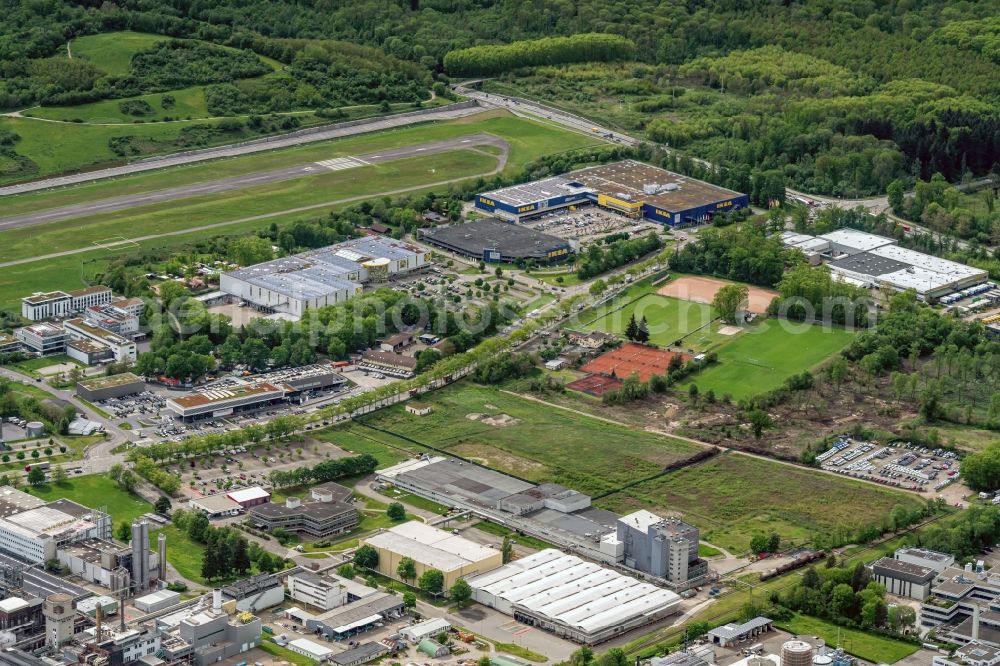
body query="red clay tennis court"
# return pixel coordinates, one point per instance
(631, 357)
(595, 385)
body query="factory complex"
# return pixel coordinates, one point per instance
(326, 276)
(662, 548)
(872, 261)
(578, 600)
(630, 188)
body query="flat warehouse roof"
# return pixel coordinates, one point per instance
(568, 590)
(536, 191)
(430, 546)
(511, 240)
(859, 240)
(107, 382)
(945, 267)
(673, 192)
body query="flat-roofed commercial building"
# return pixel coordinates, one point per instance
(904, 579)
(123, 349)
(112, 386)
(9, 344)
(431, 548)
(317, 518)
(215, 402)
(925, 558)
(62, 303)
(326, 276)
(631, 188)
(495, 240)
(572, 598)
(44, 339)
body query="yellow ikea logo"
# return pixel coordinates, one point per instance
(661, 213)
(525, 209)
(559, 253)
(488, 202)
(724, 204)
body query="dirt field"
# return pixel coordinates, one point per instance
(702, 290)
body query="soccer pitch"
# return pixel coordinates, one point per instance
(668, 320)
(764, 356)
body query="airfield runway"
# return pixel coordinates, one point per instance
(297, 138)
(470, 142)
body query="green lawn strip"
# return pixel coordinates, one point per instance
(870, 647)
(528, 141)
(532, 440)
(707, 551)
(268, 645)
(31, 366)
(522, 539)
(765, 355)
(542, 300)
(388, 450)
(319, 187)
(732, 496)
(97, 409)
(94, 491)
(516, 650)
(669, 320)
(566, 279)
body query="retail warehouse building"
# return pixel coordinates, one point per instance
(631, 188)
(494, 240)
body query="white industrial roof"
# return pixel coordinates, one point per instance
(312, 648)
(640, 519)
(407, 466)
(12, 604)
(432, 626)
(859, 240)
(215, 503)
(431, 546)
(570, 591)
(248, 494)
(952, 270)
(158, 596)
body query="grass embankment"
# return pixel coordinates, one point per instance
(870, 647)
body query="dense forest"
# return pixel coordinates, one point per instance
(834, 96)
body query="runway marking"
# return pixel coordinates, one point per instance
(339, 163)
(466, 141)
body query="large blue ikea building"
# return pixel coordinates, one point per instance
(630, 188)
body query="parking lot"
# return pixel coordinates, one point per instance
(901, 465)
(588, 223)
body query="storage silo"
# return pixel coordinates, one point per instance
(797, 653)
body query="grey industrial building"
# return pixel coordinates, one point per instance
(903, 578)
(493, 240)
(663, 547)
(354, 618)
(115, 386)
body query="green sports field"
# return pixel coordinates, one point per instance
(669, 320)
(762, 357)
(732, 496)
(531, 440)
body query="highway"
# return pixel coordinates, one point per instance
(470, 142)
(299, 138)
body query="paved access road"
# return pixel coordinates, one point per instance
(470, 142)
(255, 146)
